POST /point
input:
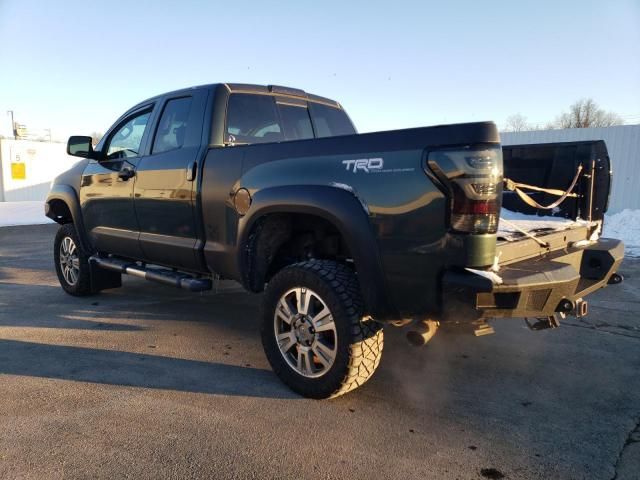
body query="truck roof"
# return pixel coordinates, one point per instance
(251, 88)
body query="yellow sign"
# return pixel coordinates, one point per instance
(18, 171)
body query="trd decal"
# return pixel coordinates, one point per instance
(371, 165)
(364, 164)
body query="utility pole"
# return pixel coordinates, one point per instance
(13, 125)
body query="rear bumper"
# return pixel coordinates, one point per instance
(533, 287)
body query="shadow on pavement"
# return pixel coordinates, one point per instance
(64, 322)
(137, 370)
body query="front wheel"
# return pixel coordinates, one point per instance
(72, 263)
(313, 332)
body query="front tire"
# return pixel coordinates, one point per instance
(313, 332)
(72, 263)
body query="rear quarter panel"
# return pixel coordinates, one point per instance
(406, 210)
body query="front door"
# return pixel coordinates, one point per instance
(106, 191)
(165, 184)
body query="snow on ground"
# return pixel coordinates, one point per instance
(22, 213)
(625, 226)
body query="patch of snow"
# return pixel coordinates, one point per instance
(532, 222)
(493, 276)
(625, 226)
(22, 213)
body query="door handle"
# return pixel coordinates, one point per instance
(191, 171)
(126, 173)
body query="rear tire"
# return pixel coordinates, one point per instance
(313, 332)
(72, 263)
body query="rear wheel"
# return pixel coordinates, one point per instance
(313, 332)
(72, 263)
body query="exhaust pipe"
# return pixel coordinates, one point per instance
(422, 332)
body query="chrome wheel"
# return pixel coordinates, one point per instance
(69, 261)
(305, 332)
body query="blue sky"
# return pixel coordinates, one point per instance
(75, 66)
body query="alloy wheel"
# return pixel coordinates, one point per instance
(305, 332)
(69, 261)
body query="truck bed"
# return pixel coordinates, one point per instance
(571, 225)
(551, 233)
(514, 224)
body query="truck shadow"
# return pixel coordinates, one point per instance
(129, 369)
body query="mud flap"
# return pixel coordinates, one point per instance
(102, 279)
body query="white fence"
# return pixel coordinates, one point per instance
(623, 145)
(27, 168)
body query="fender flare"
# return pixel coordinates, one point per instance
(343, 210)
(68, 195)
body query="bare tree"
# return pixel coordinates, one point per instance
(96, 137)
(586, 113)
(517, 123)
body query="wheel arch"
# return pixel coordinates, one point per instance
(338, 207)
(63, 206)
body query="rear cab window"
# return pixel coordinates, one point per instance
(252, 119)
(255, 118)
(295, 119)
(330, 121)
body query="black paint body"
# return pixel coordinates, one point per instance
(177, 209)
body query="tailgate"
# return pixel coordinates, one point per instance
(508, 252)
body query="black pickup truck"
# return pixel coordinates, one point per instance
(345, 232)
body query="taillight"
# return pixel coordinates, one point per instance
(473, 176)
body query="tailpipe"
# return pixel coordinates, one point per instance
(421, 332)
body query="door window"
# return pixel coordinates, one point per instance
(126, 141)
(252, 119)
(172, 127)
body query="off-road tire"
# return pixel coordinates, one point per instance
(359, 341)
(82, 286)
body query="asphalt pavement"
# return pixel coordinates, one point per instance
(152, 382)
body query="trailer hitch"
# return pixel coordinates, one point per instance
(581, 309)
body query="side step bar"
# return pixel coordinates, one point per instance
(164, 276)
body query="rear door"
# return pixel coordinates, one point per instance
(165, 185)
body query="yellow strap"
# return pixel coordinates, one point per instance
(552, 191)
(516, 187)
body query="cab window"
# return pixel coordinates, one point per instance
(295, 122)
(330, 121)
(252, 119)
(172, 127)
(126, 141)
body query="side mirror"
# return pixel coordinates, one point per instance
(80, 146)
